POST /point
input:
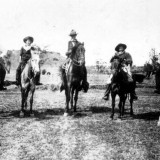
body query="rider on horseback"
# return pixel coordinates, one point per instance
(126, 61)
(72, 45)
(25, 55)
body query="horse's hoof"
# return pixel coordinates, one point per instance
(21, 114)
(32, 114)
(65, 114)
(119, 120)
(111, 117)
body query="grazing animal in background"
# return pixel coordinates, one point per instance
(48, 73)
(28, 76)
(122, 87)
(74, 77)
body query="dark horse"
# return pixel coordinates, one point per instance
(2, 75)
(28, 77)
(122, 87)
(3, 69)
(74, 76)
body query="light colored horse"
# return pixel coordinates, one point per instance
(28, 75)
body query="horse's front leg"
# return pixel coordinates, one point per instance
(123, 104)
(26, 96)
(22, 102)
(75, 100)
(120, 107)
(113, 104)
(131, 104)
(71, 95)
(32, 90)
(67, 93)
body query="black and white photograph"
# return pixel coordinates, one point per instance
(79, 80)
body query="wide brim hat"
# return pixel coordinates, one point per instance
(28, 38)
(120, 45)
(73, 33)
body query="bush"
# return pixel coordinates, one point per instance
(55, 59)
(44, 71)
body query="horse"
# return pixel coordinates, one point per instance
(2, 75)
(28, 75)
(5, 64)
(122, 87)
(74, 75)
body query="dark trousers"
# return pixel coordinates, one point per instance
(157, 78)
(19, 70)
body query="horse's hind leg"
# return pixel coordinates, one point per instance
(75, 100)
(67, 93)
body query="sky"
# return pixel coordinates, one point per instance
(100, 24)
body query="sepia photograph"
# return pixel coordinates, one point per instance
(79, 80)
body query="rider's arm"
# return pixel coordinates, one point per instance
(70, 46)
(21, 52)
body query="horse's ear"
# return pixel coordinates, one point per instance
(83, 43)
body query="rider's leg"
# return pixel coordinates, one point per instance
(18, 74)
(63, 74)
(85, 84)
(108, 88)
(133, 93)
(107, 92)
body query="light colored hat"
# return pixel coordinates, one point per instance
(73, 33)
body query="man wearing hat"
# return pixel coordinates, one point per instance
(126, 59)
(25, 55)
(72, 44)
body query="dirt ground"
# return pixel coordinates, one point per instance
(87, 135)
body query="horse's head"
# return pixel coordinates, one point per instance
(35, 59)
(115, 64)
(79, 56)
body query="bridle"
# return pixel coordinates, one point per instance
(81, 60)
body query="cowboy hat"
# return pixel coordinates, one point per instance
(120, 45)
(28, 38)
(73, 33)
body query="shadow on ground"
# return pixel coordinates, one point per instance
(148, 116)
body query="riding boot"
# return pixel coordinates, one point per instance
(63, 77)
(85, 84)
(106, 94)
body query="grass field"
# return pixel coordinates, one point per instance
(87, 135)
